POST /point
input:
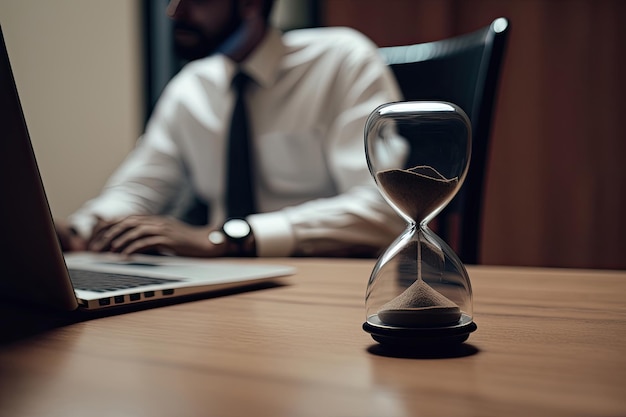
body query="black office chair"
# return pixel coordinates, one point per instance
(463, 70)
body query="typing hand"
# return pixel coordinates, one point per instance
(149, 234)
(69, 239)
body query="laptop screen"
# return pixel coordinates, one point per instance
(31, 261)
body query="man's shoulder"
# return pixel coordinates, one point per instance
(202, 78)
(209, 71)
(331, 38)
(330, 33)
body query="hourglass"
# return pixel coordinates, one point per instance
(419, 292)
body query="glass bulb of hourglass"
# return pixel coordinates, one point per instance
(400, 186)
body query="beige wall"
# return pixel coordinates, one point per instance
(77, 65)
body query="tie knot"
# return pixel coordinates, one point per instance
(240, 80)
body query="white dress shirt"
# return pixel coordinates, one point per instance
(312, 92)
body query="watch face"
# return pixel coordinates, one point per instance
(236, 228)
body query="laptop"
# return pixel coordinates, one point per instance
(35, 270)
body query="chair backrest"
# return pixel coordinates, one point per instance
(464, 70)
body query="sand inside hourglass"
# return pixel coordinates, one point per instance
(418, 192)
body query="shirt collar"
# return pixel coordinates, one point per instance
(264, 62)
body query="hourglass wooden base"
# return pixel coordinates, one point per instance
(420, 337)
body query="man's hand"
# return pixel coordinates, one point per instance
(148, 234)
(69, 239)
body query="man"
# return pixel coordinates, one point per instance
(309, 94)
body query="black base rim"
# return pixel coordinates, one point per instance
(422, 336)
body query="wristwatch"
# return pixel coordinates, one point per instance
(238, 233)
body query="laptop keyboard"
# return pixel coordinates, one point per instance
(106, 281)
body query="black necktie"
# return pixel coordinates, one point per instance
(240, 188)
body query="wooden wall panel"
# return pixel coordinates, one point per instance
(556, 180)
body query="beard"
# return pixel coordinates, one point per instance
(192, 42)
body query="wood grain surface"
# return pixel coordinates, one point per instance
(550, 342)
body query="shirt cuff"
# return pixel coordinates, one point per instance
(273, 234)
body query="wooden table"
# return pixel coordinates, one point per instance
(550, 342)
